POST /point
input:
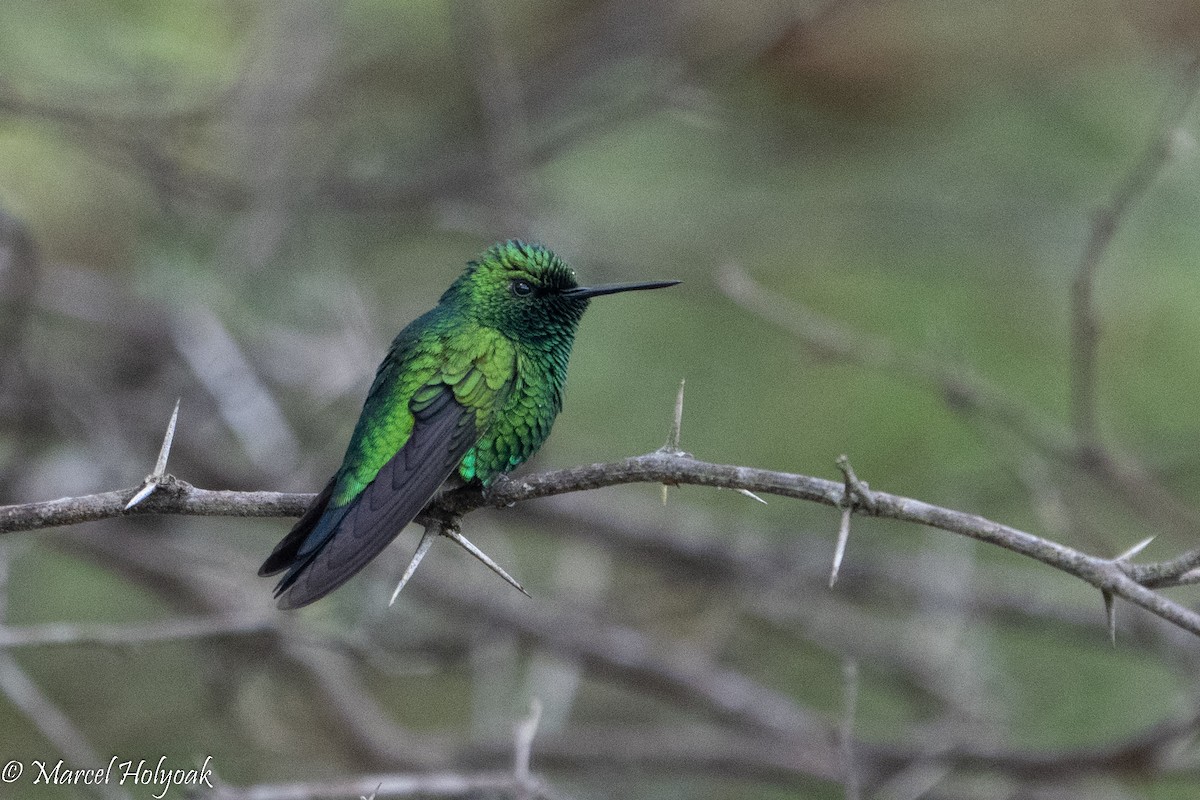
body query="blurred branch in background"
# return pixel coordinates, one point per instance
(279, 163)
(147, 140)
(502, 108)
(28, 698)
(1107, 220)
(20, 385)
(967, 394)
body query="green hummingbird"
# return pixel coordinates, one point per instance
(467, 392)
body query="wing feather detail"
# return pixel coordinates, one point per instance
(427, 409)
(443, 431)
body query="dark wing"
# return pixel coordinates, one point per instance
(339, 541)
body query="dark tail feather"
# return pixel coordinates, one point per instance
(331, 543)
(287, 552)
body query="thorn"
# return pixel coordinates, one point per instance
(1133, 551)
(673, 437)
(160, 466)
(749, 494)
(842, 539)
(155, 478)
(677, 424)
(1110, 611)
(854, 492)
(482, 556)
(147, 489)
(857, 492)
(422, 548)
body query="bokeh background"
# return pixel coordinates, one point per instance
(878, 208)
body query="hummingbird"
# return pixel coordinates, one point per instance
(467, 392)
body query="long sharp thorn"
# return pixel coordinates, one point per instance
(751, 495)
(482, 556)
(677, 423)
(840, 551)
(1110, 611)
(1133, 551)
(147, 489)
(422, 548)
(160, 466)
(671, 447)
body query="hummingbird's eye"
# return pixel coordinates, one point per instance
(521, 288)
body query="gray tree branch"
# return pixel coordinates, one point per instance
(178, 497)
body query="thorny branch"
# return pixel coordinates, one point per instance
(177, 497)
(1077, 445)
(971, 395)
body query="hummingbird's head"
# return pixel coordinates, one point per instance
(527, 292)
